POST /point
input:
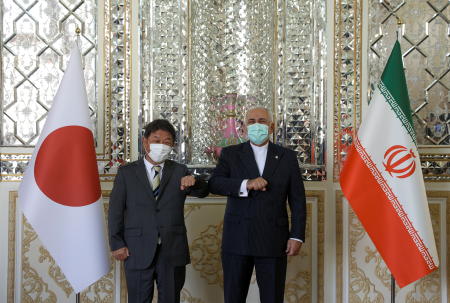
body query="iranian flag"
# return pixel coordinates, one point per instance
(60, 193)
(382, 180)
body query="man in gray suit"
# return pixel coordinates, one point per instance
(146, 218)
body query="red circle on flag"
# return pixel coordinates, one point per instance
(66, 168)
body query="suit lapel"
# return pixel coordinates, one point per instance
(272, 160)
(141, 173)
(248, 159)
(166, 173)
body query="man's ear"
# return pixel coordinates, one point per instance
(144, 145)
(271, 128)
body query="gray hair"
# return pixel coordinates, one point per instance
(269, 112)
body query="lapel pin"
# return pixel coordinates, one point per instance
(276, 157)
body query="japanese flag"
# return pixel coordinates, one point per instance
(60, 193)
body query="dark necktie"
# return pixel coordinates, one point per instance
(156, 180)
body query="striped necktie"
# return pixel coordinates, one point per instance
(156, 180)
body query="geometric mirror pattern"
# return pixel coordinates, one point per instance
(36, 40)
(204, 63)
(347, 77)
(113, 143)
(425, 43)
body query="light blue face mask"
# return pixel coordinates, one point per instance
(258, 133)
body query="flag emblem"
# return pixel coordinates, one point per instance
(76, 182)
(399, 162)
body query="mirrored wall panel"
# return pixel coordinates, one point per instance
(36, 39)
(205, 63)
(425, 43)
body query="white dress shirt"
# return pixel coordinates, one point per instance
(151, 171)
(260, 153)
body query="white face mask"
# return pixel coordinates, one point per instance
(159, 152)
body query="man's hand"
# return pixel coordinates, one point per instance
(257, 184)
(121, 253)
(293, 247)
(186, 182)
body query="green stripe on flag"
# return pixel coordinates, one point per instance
(398, 111)
(393, 87)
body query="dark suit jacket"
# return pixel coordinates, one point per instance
(258, 224)
(136, 218)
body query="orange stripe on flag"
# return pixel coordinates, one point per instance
(381, 221)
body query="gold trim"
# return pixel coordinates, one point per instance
(186, 296)
(123, 285)
(54, 272)
(189, 208)
(189, 82)
(446, 195)
(11, 245)
(360, 62)
(339, 246)
(292, 287)
(320, 196)
(127, 82)
(107, 80)
(356, 62)
(337, 92)
(207, 246)
(14, 154)
(32, 284)
(122, 281)
(103, 290)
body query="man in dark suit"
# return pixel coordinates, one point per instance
(258, 177)
(146, 218)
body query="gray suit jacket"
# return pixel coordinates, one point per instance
(136, 219)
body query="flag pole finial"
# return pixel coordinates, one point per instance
(78, 32)
(399, 28)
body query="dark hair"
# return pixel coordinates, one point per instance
(160, 124)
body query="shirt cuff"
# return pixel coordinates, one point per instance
(243, 192)
(296, 239)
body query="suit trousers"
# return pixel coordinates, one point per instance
(237, 273)
(169, 280)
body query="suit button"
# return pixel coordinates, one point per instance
(157, 210)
